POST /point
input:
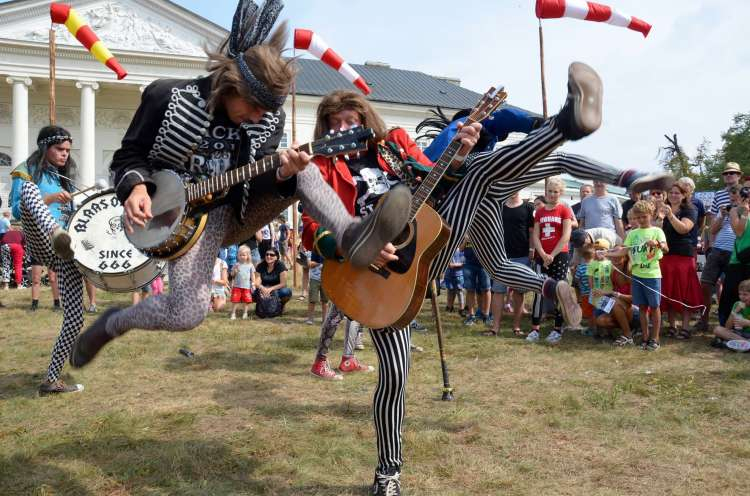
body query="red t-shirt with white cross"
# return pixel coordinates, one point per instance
(551, 225)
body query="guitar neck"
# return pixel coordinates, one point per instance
(221, 182)
(433, 178)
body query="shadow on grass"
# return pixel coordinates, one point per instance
(19, 385)
(260, 396)
(191, 466)
(232, 361)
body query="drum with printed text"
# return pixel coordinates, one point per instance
(102, 252)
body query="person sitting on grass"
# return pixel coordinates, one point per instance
(737, 326)
(270, 279)
(316, 293)
(242, 281)
(219, 284)
(645, 245)
(583, 286)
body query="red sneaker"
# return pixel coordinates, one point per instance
(351, 364)
(321, 368)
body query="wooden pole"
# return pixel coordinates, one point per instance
(544, 84)
(541, 64)
(52, 75)
(295, 219)
(447, 389)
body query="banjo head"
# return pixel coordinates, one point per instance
(168, 205)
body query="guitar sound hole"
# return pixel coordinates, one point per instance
(404, 238)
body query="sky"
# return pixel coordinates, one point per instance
(689, 77)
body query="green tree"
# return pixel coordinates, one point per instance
(736, 146)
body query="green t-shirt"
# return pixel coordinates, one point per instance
(601, 273)
(741, 243)
(645, 259)
(744, 312)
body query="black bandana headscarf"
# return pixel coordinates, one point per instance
(250, 27)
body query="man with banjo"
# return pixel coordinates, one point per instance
(207, 128)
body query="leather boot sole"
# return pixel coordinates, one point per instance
(586, 90)
(662, 181)
(381, 227)
(568, 304)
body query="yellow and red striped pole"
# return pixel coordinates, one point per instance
(65, 14)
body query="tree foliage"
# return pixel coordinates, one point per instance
(706, 165)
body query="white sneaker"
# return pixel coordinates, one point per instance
(554, 337)
(244, 316)
(533, 336)
(233, 317)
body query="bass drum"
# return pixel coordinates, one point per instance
(102, 252)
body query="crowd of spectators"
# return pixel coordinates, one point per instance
(630, 261)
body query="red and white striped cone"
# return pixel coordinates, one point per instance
(304, 39)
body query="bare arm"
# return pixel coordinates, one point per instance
(620, 228)
(565, 239)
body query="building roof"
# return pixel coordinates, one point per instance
(387, 84)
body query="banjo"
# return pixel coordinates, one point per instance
(180, 210)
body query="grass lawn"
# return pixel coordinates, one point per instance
(244, 416)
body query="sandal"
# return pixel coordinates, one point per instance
(672, 331)
(623, 341)
(683, 334)
(489, 333)
(518, 332)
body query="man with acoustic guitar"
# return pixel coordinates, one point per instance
(361, 182)
(207, 128)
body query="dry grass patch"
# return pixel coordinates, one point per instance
(244, 416)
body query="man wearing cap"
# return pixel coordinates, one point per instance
(723, 241)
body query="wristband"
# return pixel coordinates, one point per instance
(459, 158)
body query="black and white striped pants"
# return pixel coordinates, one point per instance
(37, 226)
(486, 231)
(509, 165)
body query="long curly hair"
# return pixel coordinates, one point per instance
(37, 162)
(267, 63)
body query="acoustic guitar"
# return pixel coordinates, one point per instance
(180, 209)
(392, 295)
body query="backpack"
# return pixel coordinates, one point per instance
(270, 307)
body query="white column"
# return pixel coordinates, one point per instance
(87, 166)
(20, 118)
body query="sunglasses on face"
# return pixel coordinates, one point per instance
(270, 254)
(731, 174)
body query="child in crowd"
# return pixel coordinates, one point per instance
(599, 274)
(645, 245)
(242, 283)
(553, 224)
(454, 281)
(315, 290)
(738, 324)
(219, 284)
(583, 287)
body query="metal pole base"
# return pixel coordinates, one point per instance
(447, 394)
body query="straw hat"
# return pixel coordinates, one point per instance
(732, 167)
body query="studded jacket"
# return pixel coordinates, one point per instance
(169, 126)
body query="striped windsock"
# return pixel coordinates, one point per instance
(589, 11)
(65, 14)
(304, 39)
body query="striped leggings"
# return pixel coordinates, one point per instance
(487, 229)
(37, 225)
(460, 209)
